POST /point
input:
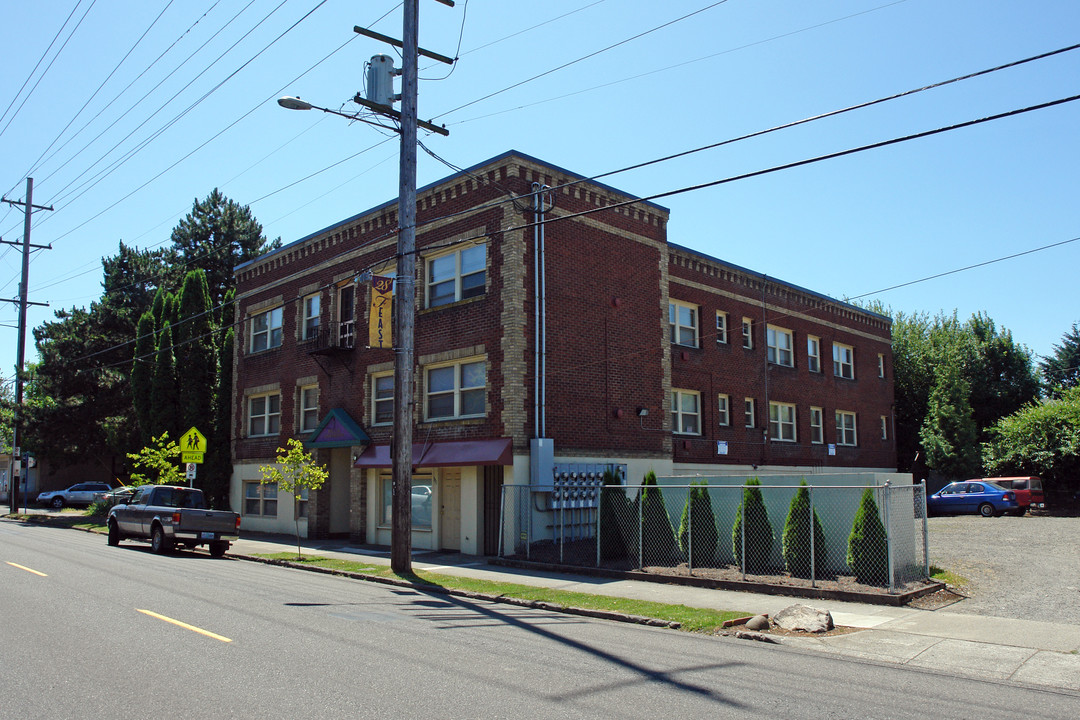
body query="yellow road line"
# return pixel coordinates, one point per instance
(184, 625)
(22, 567)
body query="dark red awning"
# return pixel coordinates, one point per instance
(450, 453)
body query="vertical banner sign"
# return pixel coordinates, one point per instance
(379, 335)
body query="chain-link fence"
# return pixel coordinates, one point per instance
(800, 534)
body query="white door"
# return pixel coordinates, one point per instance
(450, 512)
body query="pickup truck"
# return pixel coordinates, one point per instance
(167, 516)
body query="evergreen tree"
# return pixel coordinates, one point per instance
(658, 537)
(142, 376)
(164, 402)
(196, 362)
(698, 538)
(218, 456)
(796, 538)
(618, 521)
(868, 548)
(1061, 369)
(759, 535)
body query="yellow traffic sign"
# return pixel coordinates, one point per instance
(193, 441)
(191, 457)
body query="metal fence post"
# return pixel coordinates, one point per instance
(813, 553)
(529, 522)
(925, 533)
(502, 515)
(889, 540)
(641, 529)
(742, 530)
(690, 531)
(562, 529)
(599, 513)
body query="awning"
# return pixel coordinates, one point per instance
(337, 430)
(451, 453)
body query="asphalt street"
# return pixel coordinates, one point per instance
(92, 631)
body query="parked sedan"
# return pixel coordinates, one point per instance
(80, 494)
(986, 498)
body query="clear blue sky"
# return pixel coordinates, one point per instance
(848, 227)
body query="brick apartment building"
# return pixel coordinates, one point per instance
(624, 348)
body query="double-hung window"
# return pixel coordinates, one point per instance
(382, 399)
(780, 346)
(683, 321)
(880, 365)
(781, 422)
(721, 327)
(311, 317)
(749, 413)
(264, 415)
(817, 426)
(685, 412)
(260, 499)
(309, 408)
(747, 333)
(724, 410)
(456, 276)
(845, 428)
(884, 428)
(843, 361)
(456, 391)
(266, 330)
(813, 353)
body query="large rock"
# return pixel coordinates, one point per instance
(804, 619)
(758, 622)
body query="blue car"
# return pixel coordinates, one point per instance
(986, 498)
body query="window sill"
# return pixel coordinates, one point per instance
(456, 303)
(464, 420)
(256, 353)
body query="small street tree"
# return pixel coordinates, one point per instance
(157, 463)
(294, 472)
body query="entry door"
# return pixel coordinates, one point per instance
(450, 512)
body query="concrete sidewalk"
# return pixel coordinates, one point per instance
(977, 646)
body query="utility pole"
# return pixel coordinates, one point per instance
(29, 207)
(404, 367)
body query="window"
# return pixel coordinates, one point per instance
(747, 333)
(422, 486)
(724, 411)
(311, 317)
(455, 391)
(685, 412)
(880, 365)
(266, 330)
(264, 415)
(780, 344)
(781, 422)
(309, 408)
(721, 327)
(346, 316)
(843, 361)
(813, 353)
(457, 276)
(302, 503)
(884, 428)
(683, 321)
(845, 428)
(382, 399)
(260, 499)
(817, 426)
(748, 412)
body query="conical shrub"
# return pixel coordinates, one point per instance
(759, 536)
(867, 552)
(658, 537)
(699, 546)
(618, 521)
(796, 538)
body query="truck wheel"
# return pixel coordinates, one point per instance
(1020, 512)
(986, 510)
(158, 543)
(57, 502)
(114, 534)
(218, 548)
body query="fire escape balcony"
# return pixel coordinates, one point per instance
(332, 338)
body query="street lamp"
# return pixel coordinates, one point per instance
(294, 103)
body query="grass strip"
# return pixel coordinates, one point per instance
(947, 576)
(690, 619)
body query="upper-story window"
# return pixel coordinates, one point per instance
(843, 361)
(309, 408)
(721, 327)
(749, 412)
(686, 412)
(747, 333)
(683, 321)
(817, 426)
(264, 414)
(880, 365)
(382, 399)
(813, 353)
(782, 422)
(458, 275)
(266, 330)
(780, 346)
(456, 391)
(723, 412)
(845, 428)
(311, 317)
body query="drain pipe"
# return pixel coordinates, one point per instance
(543, 202)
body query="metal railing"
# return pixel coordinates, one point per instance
(811, 534)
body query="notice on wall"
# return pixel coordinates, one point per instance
(721, 447)
(382, 295)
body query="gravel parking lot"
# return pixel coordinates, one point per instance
(1018, 567)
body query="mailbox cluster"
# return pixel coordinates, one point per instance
(577, 486)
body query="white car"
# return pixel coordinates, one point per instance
(81, 494)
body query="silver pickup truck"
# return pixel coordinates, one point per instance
(167, 516)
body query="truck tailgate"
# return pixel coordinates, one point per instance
(207, 521)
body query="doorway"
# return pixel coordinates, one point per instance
(450, 511)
